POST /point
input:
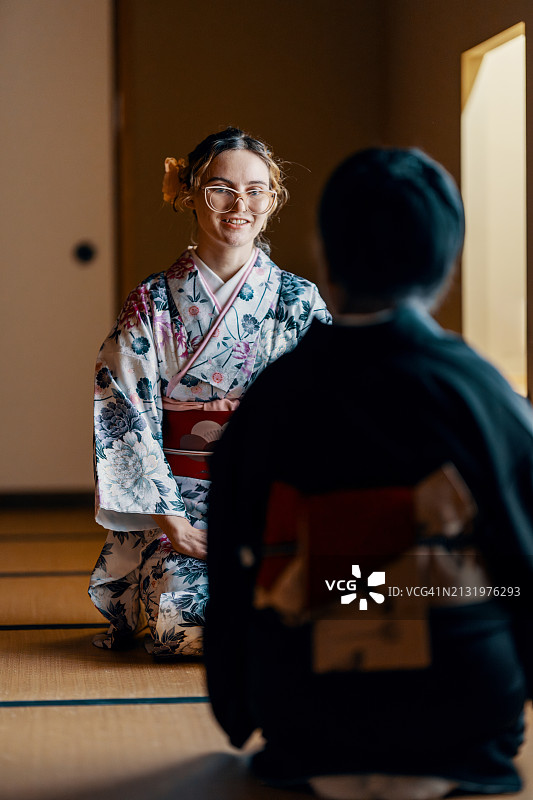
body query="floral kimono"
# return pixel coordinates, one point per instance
(144, 360)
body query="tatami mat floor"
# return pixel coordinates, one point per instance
(79, 723)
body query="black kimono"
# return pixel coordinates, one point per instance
(403, 398)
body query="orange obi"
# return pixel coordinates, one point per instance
(190, 432)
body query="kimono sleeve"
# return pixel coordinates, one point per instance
(133, 478)
(317, 309)
(300, 303)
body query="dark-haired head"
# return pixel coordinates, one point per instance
(392, 223)
(183, 177)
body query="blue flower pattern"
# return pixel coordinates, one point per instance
(103, 378)
(117, 419)
(246, 292)
(144, 389)
(250, 324)
(140, 345)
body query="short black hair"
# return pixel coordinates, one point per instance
(392, 222)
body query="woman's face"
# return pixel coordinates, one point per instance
(241, 170)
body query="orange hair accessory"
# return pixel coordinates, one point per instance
(172, 181)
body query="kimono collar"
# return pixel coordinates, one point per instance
(220, 290)
(221, 361)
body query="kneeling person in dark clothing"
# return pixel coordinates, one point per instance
(406, 452)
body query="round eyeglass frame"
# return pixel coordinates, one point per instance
(271, 192)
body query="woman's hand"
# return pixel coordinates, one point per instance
(184, 538)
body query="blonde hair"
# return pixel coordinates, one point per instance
(183, 177)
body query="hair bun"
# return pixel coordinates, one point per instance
(172, 179)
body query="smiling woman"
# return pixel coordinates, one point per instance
(227, 225)
(187, 344)
(227, 173)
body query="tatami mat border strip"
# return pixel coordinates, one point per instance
(67, 573)
(110, 701)
(55, 626)
(46, 501)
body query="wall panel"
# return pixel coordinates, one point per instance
(306, 76)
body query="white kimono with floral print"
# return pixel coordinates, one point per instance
(162, 323)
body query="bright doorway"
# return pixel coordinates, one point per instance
(493, 178)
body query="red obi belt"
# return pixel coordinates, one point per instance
(324, 529)
(190, 433)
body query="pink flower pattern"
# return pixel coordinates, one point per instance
(248, 366)
(240, 351)
(165, 545)
(181, 341)
(136, 308)
(162, 329)
(182, 267)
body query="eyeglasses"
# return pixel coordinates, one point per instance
(222, 199)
